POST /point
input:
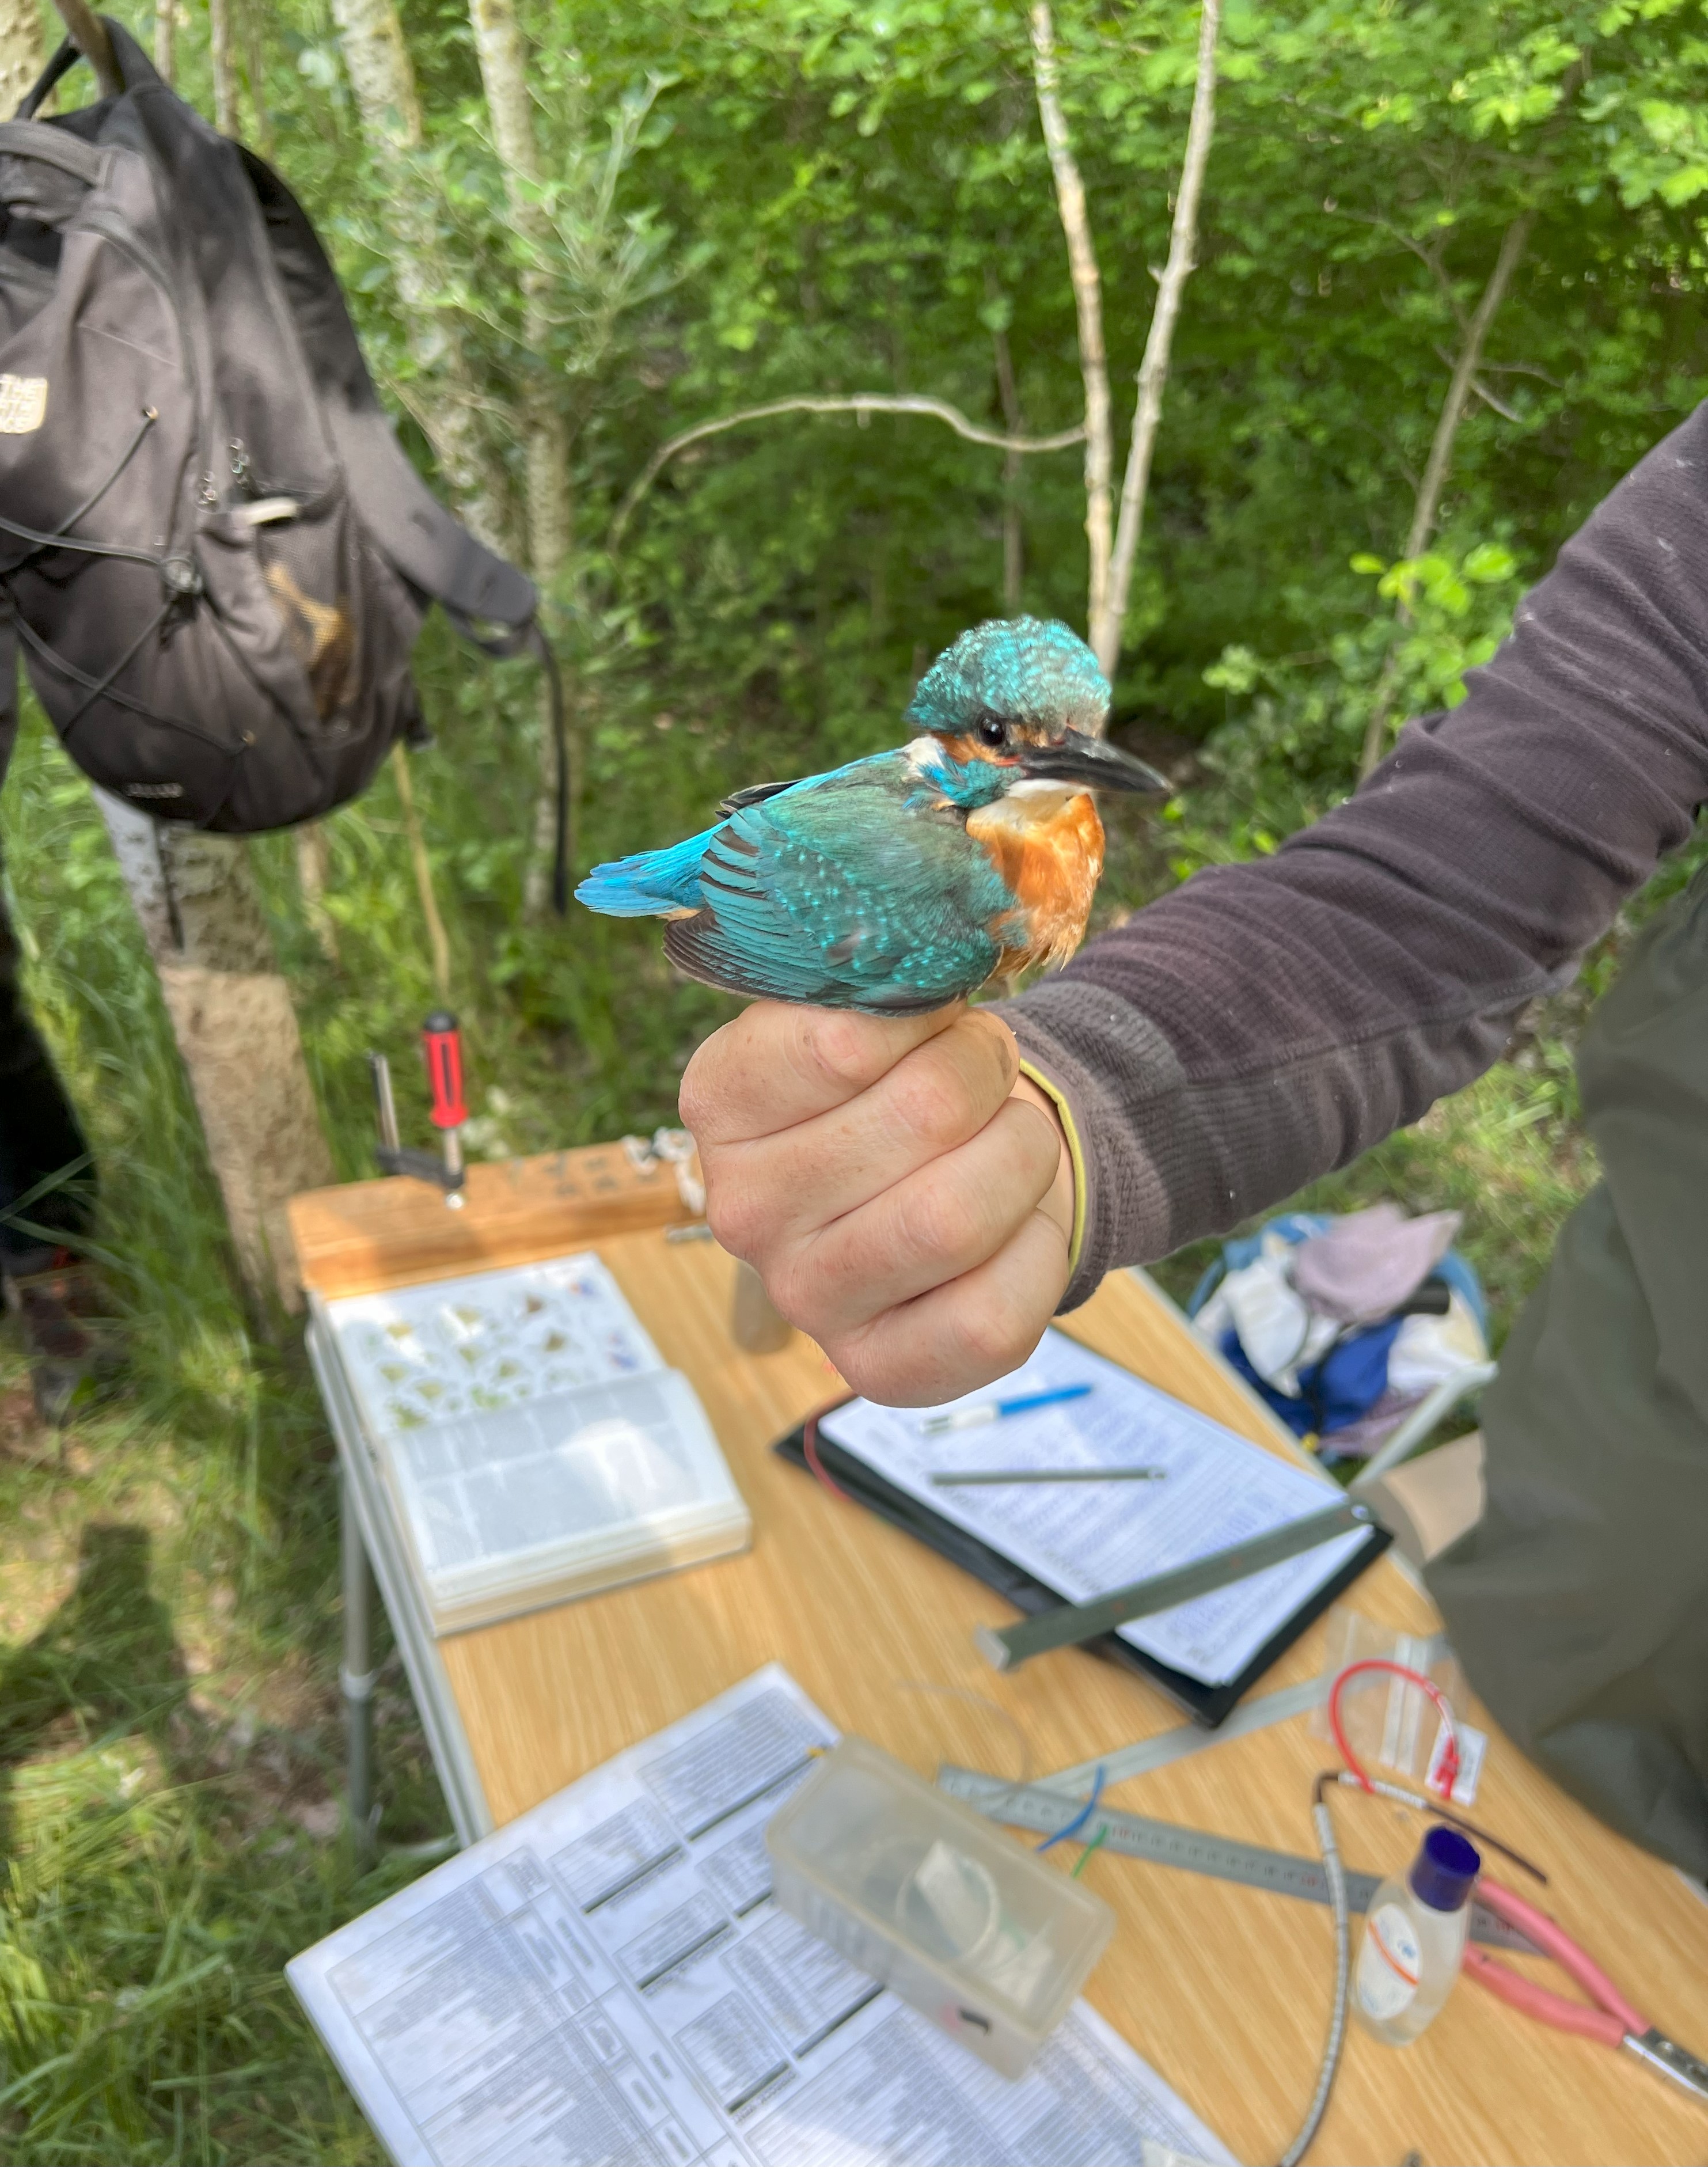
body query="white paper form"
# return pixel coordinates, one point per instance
(606, 1983)
(1087, 1539)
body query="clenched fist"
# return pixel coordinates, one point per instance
(904, 1191)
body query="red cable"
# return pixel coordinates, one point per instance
(810, 1453)
(1451, 1758)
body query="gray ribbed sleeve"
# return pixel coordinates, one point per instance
(1267, 1022)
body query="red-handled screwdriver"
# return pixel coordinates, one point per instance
(442, 1045)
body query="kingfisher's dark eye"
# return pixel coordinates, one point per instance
(993, 730)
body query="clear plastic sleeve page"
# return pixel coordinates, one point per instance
(1086, 1538)
(606, 1979)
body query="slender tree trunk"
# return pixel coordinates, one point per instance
(383, 78)
(23, 53)
(1428, 503)
(1013, 532)
(251, 23)
(1087, 301)
(439, 946)
(236, 1032)
(166, 38)
(1153, 369)
(223, 58)
(313, 864)
(503, 52)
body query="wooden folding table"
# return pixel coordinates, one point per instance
(1223, 1989)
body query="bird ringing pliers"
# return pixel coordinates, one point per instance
(1608, 2017)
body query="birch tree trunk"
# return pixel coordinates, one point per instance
(165, 38)
(236, 1033)
(383, 78)
(223, 58)
(1427, 505)
(1088, 301)
(503, 52)
(23, 53)
(1153, 369)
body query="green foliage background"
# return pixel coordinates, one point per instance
(753, 198)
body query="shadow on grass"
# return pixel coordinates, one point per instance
(107, 1660)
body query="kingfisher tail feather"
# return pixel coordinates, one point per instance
(649, 883)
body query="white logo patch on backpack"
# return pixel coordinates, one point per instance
(22, 404)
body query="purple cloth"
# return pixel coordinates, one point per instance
(1369, 1261)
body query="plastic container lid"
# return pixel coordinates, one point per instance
(1445, 1868)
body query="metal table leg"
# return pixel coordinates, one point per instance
(357, 1678)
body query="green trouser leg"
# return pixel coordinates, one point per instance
(1579, 1602)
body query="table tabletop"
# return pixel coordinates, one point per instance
(1225, 1991)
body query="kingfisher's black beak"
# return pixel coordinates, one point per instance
(1093, 763)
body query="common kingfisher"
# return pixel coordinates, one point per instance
(906, 880)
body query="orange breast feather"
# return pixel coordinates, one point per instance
(1050, 855)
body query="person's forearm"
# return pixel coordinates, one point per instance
(1267, 1022)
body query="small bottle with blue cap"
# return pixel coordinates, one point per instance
(1414, 1935)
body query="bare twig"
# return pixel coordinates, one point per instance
(1153, 369)
(1087, 301)
(1430, 257)
(1497, 406)
(857, 402)
(1479, 389)
(1434, 481)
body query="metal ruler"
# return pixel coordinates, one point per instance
(1066, 1626)
(1145, 1754)
(1166, 1843)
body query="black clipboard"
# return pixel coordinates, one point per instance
(1208, 1705)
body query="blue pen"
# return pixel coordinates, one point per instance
(994, 1409)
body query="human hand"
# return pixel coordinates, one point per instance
(904, 1191)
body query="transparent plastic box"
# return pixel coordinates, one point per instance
(930, 1899)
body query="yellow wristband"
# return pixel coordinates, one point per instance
(1075, 1156)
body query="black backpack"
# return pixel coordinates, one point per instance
(213, 551)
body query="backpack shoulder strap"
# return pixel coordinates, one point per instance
(409, 526)
(52, 146)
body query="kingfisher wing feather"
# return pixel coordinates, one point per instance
(826, 893)
(755, 794)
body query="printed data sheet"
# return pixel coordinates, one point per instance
(606, 1983)
(1084, 1539)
